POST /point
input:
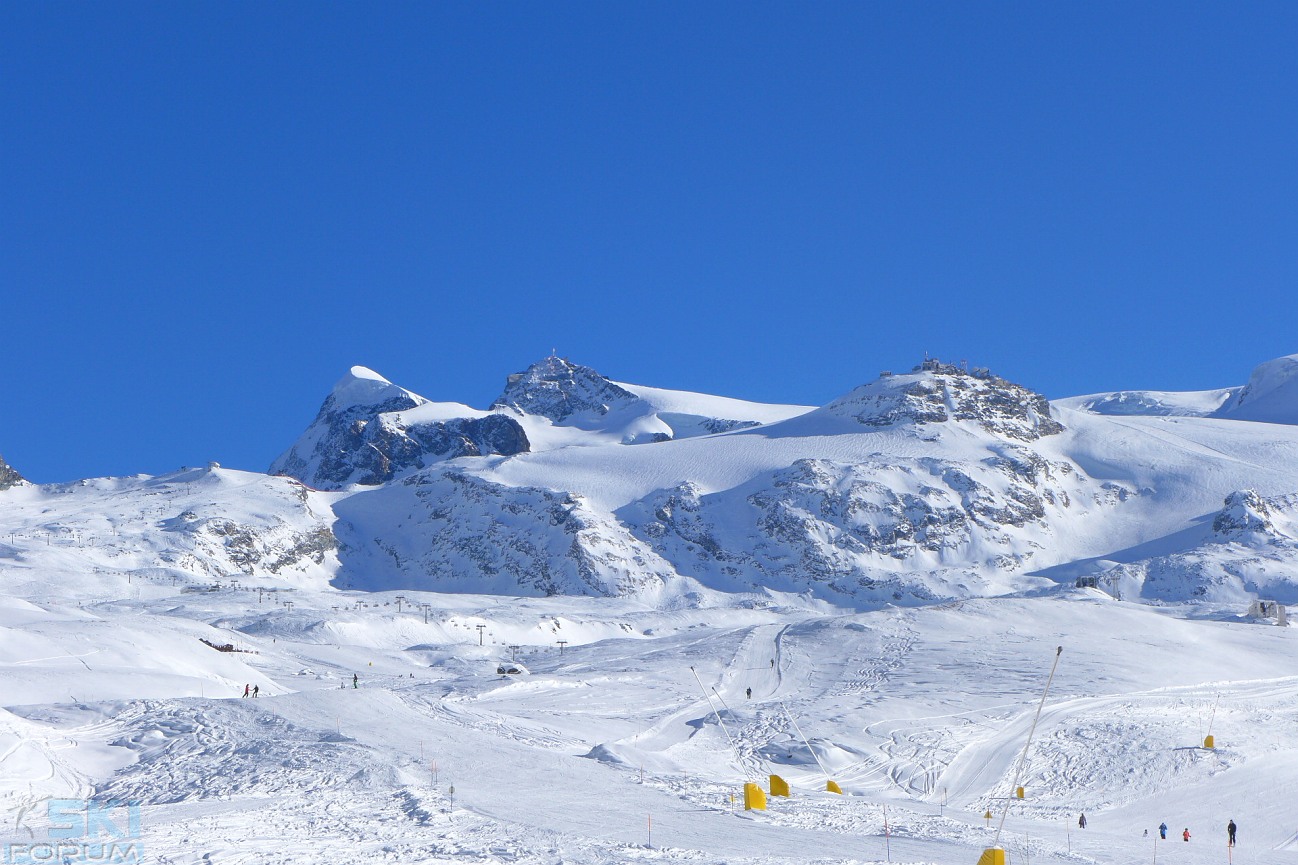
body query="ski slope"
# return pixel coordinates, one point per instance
(921, 711)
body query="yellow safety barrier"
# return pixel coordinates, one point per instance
(1209, 742)
(779, 786)
(992, 856)
(754, 798)
(832, 787)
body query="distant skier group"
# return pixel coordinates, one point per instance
(1185, 833)
(251, 690)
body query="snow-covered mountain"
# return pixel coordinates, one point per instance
(871, 591)
(938, 484)
(370, 431)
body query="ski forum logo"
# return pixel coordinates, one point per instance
(78, 831)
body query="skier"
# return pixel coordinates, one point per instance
(1081, 822)
(247, 689)
(1186, 834)
(255, 689)
(1162, 831)
(749, 692)
(354, 680)
(1230, 833)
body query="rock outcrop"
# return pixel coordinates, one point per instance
(936, 393)
(9, 476)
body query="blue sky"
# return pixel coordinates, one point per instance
(209, 211)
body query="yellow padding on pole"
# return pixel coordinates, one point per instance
(779, 786)
(1209, 742)
(832, 787)
(754, 798)
(992, 856)
(1019, 792)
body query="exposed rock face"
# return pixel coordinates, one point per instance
(865, 529)
(361, 436)
(9, 477)
(254, 548)
(458, 532)
(937, 393)
(558, 389)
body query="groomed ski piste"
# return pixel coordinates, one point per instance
(135, 611)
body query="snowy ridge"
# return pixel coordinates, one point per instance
(1271, 395)
(555, 392)
(1202, 403)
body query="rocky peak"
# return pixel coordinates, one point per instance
(1244, 512)
(556, 388)
(9, 476)
(936, 392)
(363, 393)
(361, 436)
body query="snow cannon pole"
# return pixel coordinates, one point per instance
(814, 755)
(766, 766)
(754, 798)
(738, 760)
(1208, 741)
(1018, 772)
